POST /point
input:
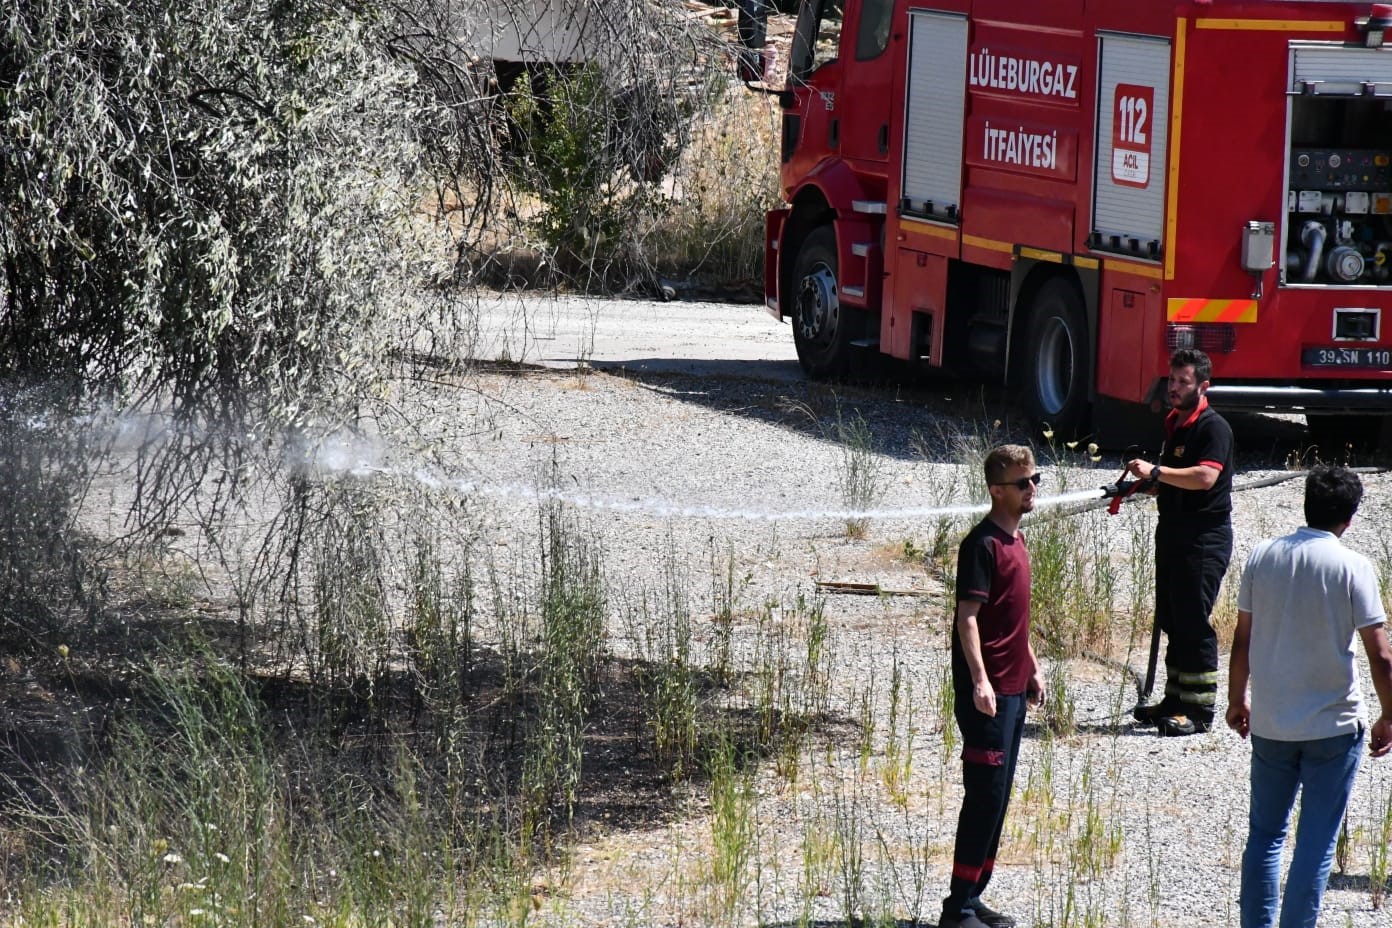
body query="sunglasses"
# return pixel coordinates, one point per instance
(1023, 483)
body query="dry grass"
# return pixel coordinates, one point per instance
(719, 191)
(700, 227)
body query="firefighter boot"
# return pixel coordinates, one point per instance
(1149, 715)
(1180, 724)
(1194, 693)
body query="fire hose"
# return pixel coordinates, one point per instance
(1117, 493)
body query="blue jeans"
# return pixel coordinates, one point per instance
(1323, 770)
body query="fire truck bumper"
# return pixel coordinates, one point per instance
(1372, 400)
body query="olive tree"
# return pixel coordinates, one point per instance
(209, 212)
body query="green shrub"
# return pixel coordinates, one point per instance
(593, 181)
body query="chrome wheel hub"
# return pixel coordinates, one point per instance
(817, 305)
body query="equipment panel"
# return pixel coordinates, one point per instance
(1341, 169)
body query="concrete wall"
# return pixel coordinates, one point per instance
(538, 30)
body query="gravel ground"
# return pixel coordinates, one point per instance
(657, 448)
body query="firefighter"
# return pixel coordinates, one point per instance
(1193, 544)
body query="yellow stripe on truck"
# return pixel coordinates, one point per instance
(1270, 25)
(1176, 124)
(1201, 310)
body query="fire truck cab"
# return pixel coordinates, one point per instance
(1056, 195)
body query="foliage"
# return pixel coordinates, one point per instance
(219, 223)
(591, 151)
(860, 471)
(204, 199)
(41, 563)
(627, 158)
(208, 212)
(723, 183)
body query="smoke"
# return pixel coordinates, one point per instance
(339, 452)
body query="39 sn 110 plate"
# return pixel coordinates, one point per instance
(1347, 357)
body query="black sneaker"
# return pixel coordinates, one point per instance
(989, 916)
(965, 920)
(1175, 726)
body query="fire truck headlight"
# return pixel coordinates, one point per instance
(1179, 336)
(1212, 337)
(1375, 24)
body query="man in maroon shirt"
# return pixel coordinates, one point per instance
(994, 675)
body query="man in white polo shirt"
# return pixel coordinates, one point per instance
(1302, 599)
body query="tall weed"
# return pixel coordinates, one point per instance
(668, 678)
(1073, 582)
(1380, 852)
(860, 470)
(733, 806)
(439, 627)
(573, 613)
(210, 811)
(899, 739)
(725, 592)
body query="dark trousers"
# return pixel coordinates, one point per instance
(1191, 557)
(990, 748)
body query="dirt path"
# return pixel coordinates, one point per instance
(699, 413)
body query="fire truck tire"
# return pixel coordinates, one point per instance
(1056, 359)
(822, 328)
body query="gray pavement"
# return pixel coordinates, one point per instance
(714, 339)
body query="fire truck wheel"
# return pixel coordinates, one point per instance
(822, 327)
(1056, 357)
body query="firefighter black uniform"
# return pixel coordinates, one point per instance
(1193, 544)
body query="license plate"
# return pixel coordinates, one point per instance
(1346, 357)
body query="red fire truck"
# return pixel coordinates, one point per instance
(1056, 194)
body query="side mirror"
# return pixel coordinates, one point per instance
(753, 61)
(753, 23)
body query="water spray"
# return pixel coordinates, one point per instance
(666, 509)
(360, 457)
